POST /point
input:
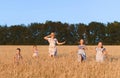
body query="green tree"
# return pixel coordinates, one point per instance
(97, 32)
(81, 32)
(3, 34)
(17, 34)
(113, 33)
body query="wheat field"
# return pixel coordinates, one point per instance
(65, 65)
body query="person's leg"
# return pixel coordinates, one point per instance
(79, 58)
(55, 53)
(83, 57)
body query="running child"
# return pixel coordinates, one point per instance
(35, 51)
(18, 57)
(81, 51)
(100, 52)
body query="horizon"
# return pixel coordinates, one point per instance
(59, 21)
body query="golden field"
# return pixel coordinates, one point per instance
(65, 65)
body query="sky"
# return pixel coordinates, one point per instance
(14, 12)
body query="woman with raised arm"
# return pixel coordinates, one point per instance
(52, 44)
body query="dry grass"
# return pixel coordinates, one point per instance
(63, 66)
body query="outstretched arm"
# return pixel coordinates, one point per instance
(60, 43)
(46, 37)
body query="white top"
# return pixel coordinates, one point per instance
(52, 42)
(35, 51)
(99, 52)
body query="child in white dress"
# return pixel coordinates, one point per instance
(100, 52)
(35, 51)
(81, 51)
(52, 44)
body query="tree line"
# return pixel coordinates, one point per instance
(33, 33)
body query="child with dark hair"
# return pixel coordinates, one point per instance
(100, 52)
(81, 51)
(18, 57)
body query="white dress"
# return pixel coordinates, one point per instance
(35, 54)
(81, 51)
(52, 46)
(99, 54)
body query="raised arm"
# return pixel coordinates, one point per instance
(46, 37)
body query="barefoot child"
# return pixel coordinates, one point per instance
(100, 52)
(81, 51)
(35, 51)
(52, 44)
(18, 57)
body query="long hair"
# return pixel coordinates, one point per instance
(19, 50)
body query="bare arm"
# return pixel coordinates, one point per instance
(46, 37)
(105, 52)
(60, 43)
(85, 48)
